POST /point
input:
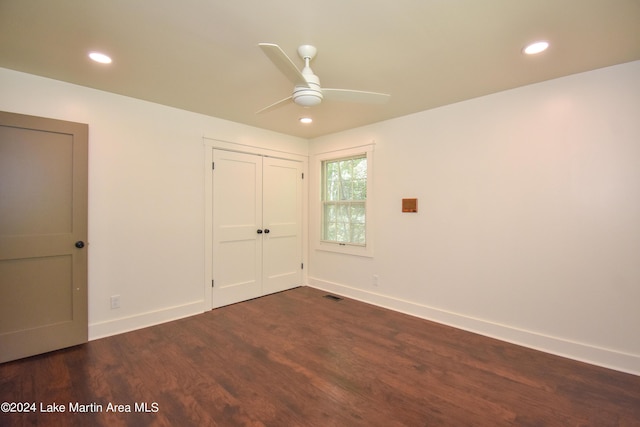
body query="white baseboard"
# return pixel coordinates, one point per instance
(606, 358)
(143, 320)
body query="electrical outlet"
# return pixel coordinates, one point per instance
(115, 302)
(376, 280)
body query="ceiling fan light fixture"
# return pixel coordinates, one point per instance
(536, 47)
(309, 95)
(310, 100)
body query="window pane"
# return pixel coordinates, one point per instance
(332, 170)
(357, 213)
(345, 170)
(347, 194)
(357, 233)
(330, 212)
(360, 168)
(329, 221)
(331, 232)
(359, 189)
(343, 213)
(332, 191)
(343, 225)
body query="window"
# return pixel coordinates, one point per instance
(344, 214)
(344, 198)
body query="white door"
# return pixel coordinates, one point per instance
(237, 216)
(257, 246)
(282, 213)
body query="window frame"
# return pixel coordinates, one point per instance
(333, 246)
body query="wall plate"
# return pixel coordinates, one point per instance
(409, 205)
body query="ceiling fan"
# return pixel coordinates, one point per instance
(307, 91)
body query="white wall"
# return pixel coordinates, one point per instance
(146, 195)
(529, 216)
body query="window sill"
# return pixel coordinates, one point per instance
(364, 251)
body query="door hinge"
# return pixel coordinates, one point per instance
(302, 175)
(213, 165)
(302, 266)
(212, 283)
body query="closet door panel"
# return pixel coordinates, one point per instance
(282, 216)
(237, 215)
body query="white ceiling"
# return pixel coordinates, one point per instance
(202, 55)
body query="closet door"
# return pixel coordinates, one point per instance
(282, 215)
(237, 217)
(257, 226)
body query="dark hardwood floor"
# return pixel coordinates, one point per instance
(299, 359)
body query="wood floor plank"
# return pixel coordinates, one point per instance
(299, 359)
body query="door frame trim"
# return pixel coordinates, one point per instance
(209, 145)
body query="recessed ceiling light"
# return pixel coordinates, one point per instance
(100, 57)
(305, 120)
(536, 47)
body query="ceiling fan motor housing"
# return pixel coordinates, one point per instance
(308, 96)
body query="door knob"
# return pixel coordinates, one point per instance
(266, 230)
(259, 231)
(79, 244)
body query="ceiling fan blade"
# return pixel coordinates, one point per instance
(346, 95)
(275, 105)
(284, 63)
